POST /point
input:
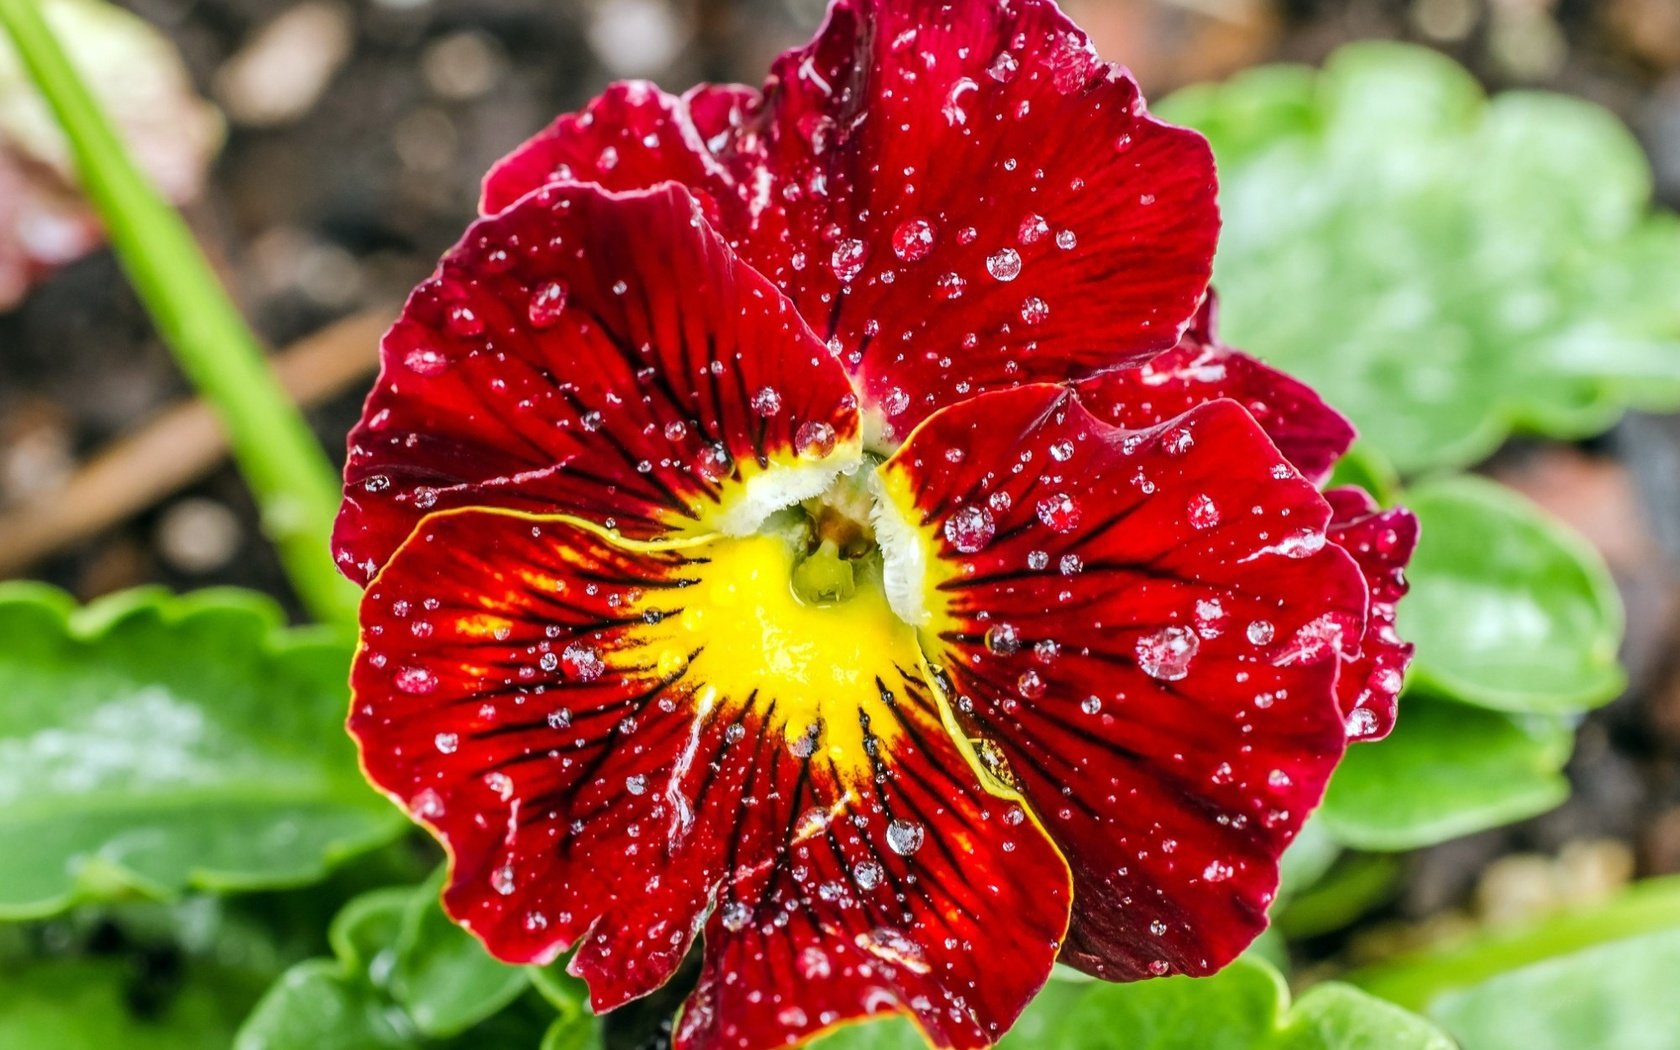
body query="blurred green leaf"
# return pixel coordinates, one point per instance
(1448, 770)
(404, 976)
(1509, 609)
(1620, 995)
(1243, 1007)
(443, 976)
(1444, 268)
(152, 744)
(110, 1002)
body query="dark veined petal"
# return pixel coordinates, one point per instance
(1382, 542)
(1143, 629)
(1309, 433)
(622, 745)
(594, 354)
(958, 196)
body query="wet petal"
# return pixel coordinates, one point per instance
(623, 744)
(1309, 433)
(1382, 542)
(958, 197)
(1147, 639)
(600, 355)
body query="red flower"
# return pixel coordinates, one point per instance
(796, 521)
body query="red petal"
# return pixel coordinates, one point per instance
(1146, 627)
(960, 197)
(1309, 433)
(600, 737)
(1382, 542)
(592, 354)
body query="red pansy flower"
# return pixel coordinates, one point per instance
(821, 523)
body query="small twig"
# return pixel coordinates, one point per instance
(179, 447)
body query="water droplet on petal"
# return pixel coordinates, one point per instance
(1004, 265)
(1203, 513)
(766, 401)
(815, 439)
(1059, 512)
(1166, 654)
(463, 322)
(548, 305)
(847, 260)
(913, 240)
(582, 663)
(868, 875)
(1003, 639)
(904, 837)
(970, 529)
(416, 681)
(1260, 632)
(502, 880)
(446, 743)
(735, 916)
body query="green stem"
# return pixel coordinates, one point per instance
(1413, 981)
(289, 474)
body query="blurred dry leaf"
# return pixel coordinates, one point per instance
(140, 79)
(1170, 43)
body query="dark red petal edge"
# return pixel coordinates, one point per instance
(1309, 433)
(1145, 628)
(1382, 542)
(588, 353)
(959, 197)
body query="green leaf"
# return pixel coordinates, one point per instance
(1454, 268)
(151, 744)
(1244, 1007)
(1509, 609)
(1617, 995)
(1448, 770)
(102, 1003)
(443, 976)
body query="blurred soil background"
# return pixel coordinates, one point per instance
(357, 134)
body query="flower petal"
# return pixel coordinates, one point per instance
(1309, 433)
(958, 197)
(1382, 542)
(1144, 629)
(620, 742)
(594, 354)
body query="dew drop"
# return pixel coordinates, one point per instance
(636, 784)
(446, 743)
(735, 916)
(502, 880)
(1003, 639)
(847, 260)
(913, 240)
(1005, 265)
(1030, 685)
(1059, 512)
(1178, 441)
(416, 681)
(582, 663)
(463, 322)
(815, 439)
(868, 875)
(1260, 632)
(766, 401)
(1361, 723)
(1203, 513)
(904, 837)
(1159, 967)
(425, 361)
(547, 305)
(1091, 705)
(1166, 654)
(970, 529)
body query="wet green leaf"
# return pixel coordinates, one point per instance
(443, 976)
(151, 744)
(1617, 995)
(1508, 609)
(1444, 268)
(1244, 1007)
(1448, 770)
